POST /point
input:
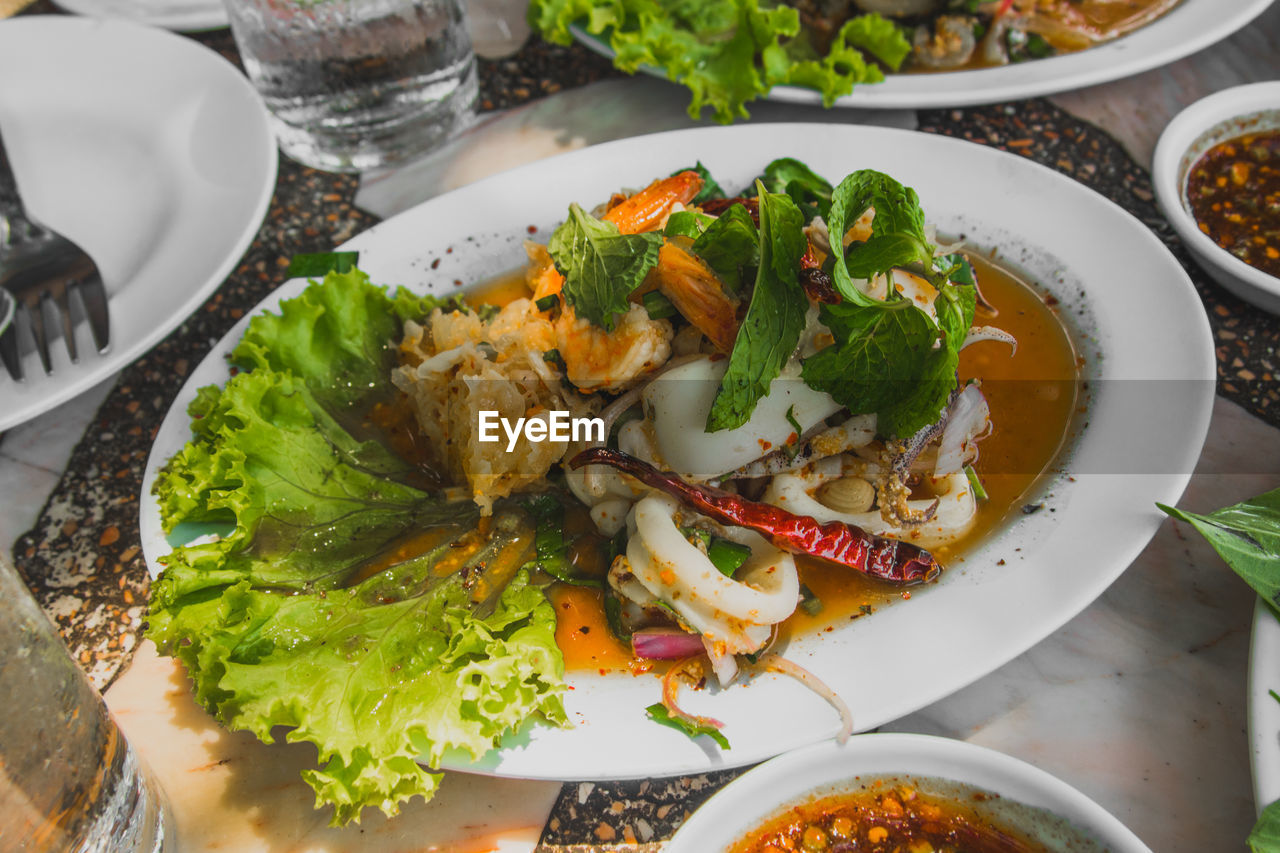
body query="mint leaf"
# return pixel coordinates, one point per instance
(686, 223)
(600, 266)
(810, 191)
(1247, 536)
(774, 320)
(957, 268)
(1265, 837)
(897, 232)
(659, 714)
(880, 353)
(730, 246)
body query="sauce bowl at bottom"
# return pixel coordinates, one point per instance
(1044, 809)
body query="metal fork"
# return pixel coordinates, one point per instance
(38, 264)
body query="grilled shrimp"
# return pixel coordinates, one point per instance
(648, 209)
(598, 360)
(697, 293)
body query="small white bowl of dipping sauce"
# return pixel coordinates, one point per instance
(796, 791)
(1219, 118)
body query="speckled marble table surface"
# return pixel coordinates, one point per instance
(82, 557)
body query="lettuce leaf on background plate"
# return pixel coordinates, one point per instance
(309, 613)
(727, 52)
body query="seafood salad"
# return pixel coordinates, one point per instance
(776, 375)
(786, 389)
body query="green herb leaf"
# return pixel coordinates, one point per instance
(317, 264)
(880, 354)
(810, 191)
(686, 223)
(659, 714)
(600, 266)
(957, 268)
(726, 555)
(658, 305)
(613, 615)
(774, 320)
(809, 602)
(897, 231)
(1265, 837)
(550, 545)
(1247, 537)
(730, 246)
(792, 448)
(979, 491)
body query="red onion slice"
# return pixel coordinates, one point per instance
(665, 644)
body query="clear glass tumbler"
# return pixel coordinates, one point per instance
(358, 84)
(69, 781)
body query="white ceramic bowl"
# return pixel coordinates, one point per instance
(1229, 113)
(827, 767)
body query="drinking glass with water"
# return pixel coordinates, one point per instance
(69, 781)
(358, 84)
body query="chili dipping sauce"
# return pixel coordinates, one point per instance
(913, 815)
(1234, 193)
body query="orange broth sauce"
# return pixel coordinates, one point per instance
(1032, 395)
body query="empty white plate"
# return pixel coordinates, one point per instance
(152, 153)
(184, 15)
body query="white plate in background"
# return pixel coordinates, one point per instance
(1264, 709)
(1105, 268)
(188, 16)
(150, 151)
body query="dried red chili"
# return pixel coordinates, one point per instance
(878, 556)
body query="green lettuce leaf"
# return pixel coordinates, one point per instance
(727, 52)
(775, 317)
(307, 613)
(1247, 536)
(378, 676)
(600, 266)
(845, 62)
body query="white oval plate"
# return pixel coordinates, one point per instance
(188, 16)
(150, 151)
(1264, 710)
(998, 602)
(751, 799)
(1191, 26)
